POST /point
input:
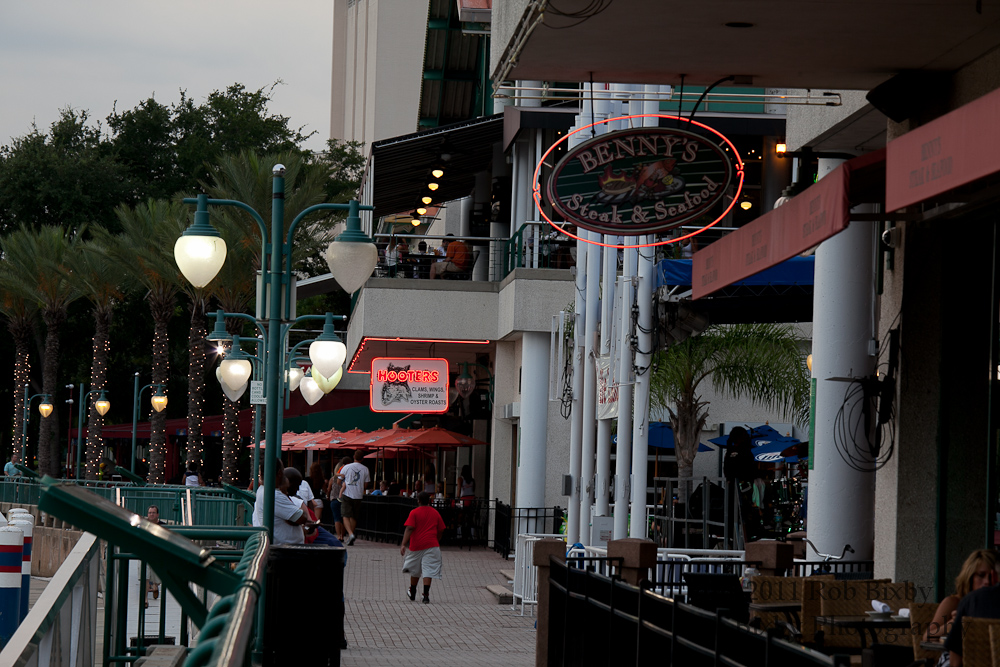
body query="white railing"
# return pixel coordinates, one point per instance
(525, 572)
(61, 627)
(672, 564)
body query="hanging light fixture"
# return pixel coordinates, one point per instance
(465, 383)
(426, 200)
(219, 331)
(294, 376)
(102, 405)
(327, 353)
(235, 369)
(432, 185)
(200, 251)
(310, 390)
(233, 396)
(159, 399)
(352, 256)
(421, 210)
(45, 407)
(326, 385)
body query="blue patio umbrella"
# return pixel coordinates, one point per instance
(767, 444)
(661, 435)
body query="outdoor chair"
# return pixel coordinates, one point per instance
(976, 641)
(812, 589)
(767, 588)
(995, 643)
(847, 598)
(921, 615)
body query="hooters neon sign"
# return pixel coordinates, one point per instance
(423, 376)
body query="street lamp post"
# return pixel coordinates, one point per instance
(157, 400)
(44, 408)
(352, 258)
(102, 406)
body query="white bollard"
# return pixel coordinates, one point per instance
(11, 550)
(27, 526)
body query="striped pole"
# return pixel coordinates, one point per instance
(27, 526)
(11, 547)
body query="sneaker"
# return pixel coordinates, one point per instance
(350, 540)
(426, 600)
(411, 593)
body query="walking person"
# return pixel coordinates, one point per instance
(424, 528)
(334, 488)
(356, 479)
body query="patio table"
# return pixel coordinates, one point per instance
(863, 624)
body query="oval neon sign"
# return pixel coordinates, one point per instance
(645, 180)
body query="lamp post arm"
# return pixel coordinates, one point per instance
(243, 316)
(303, 318)
(352, 207)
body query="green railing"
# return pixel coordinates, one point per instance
(210, 506)
(532, 246)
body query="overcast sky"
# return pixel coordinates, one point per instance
(91, 53)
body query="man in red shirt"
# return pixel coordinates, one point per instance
(422, 537)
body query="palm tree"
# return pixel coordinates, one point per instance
(762, 362)
(197, 300)
(145, 247)
(247, 177)
(36, 265)
(20, 312)
(102, 281)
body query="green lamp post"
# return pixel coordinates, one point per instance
(200, 253)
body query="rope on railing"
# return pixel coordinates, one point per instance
(227, 633)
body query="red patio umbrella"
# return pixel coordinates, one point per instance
(434, 437)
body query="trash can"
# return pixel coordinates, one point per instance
(303, 581)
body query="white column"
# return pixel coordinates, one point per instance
(576, 425)
(623, 451)
(602, 485)
(651, 105)
(640, 418)
(534, 419)
(841, 499)
(589, 388)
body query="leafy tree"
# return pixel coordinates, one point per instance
(102, 281)
(36, 263)
(68, 175)
(761, 362)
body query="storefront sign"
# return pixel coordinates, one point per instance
(953, 150)
(409, 385)
(607, 389)
(644, 180)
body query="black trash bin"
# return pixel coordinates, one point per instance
(300, 577)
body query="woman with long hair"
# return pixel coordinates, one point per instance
(978, 570)
(334, 486)
(466, 485)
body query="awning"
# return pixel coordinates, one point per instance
(661, 436)
(951, 151)
(811, 217)
(398, 167)
(795, 271)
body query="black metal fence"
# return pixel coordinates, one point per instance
(509, 522)
(597, 620)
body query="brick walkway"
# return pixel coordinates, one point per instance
(463, 625)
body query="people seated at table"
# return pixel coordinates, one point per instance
(466, 485)
(981, 601)
(975, 574)
(458, 259)
(428, 482)
(382, 490)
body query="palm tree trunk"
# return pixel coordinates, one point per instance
(161, 308)
(98, 380)
(196, 383)
(230, 424)
(49, 451)
(20, 331)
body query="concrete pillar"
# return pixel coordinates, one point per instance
(523, 95)
(576, 425)
(640, 417)
(603, 481)
(534, 420)
(589, 388)
(841, 499)
(541, 557)
(638, 557)
(623, 451)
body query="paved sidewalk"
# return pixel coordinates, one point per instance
(463, 625)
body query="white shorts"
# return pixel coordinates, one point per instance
(424, 563)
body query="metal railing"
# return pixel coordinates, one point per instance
(525, 590)
(417, 266)
(536, 245)
(203, 505)
(509, 522)
(598, 620)
(60, 629)
(230, 626)
(841, 569)
(705, 514)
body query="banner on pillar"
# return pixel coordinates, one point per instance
(607, 388)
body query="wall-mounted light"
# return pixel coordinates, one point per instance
(780, 149)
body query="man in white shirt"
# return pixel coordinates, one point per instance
(289, 516)
(356, 479)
